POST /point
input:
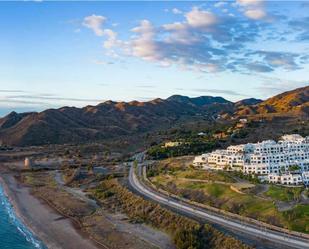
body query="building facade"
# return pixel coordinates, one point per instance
(284, 162)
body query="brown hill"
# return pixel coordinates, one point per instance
(106, 120)
(114, 119)
(292, 102)
(288, 101)
(248, 102)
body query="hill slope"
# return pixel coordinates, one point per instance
(292, 102)
(106, 120)
(288, 101)
(113, 119)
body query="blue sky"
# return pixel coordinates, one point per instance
(78, 53)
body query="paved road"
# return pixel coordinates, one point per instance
(277, 239)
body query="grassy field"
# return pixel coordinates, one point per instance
(223, 197)
(281, 193)
(204, 175)
(214, 189)
(298, 218)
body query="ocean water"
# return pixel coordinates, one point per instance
(13, 233)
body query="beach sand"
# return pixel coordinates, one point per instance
(49, 226)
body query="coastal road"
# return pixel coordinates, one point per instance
(275, 238)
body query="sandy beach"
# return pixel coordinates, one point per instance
(49, 226)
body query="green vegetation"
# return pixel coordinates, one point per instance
(243, 133)
(186, 233)
(241, 175)
(298, 218)
(102, 193)
(181, 168)
(214, 189)
(294, 168)
(204, 175)
(187, 148)
(223, 197)
(281, 193)
(205, 238)
(169, 166)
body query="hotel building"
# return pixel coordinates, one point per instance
(283, 162)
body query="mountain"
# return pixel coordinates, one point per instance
(106, 120)
(198, 101)
(291, 102)
(115, 119)
(248, 102)
(12, 119)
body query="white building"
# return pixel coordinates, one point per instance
(305, 176)
(201, 161)
(264, 158)
(286, 178)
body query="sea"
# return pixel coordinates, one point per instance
(13, 233)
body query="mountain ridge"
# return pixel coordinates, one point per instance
(296, 101)
(111, 119)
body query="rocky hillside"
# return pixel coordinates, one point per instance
(113, 119)
(106, 120)
(292, 102)
(289, 101)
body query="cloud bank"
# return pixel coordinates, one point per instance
(206, 41)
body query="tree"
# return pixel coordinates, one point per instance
(294, 168)
(282, 169)
(135, 163)
(187, 239)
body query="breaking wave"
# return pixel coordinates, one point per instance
(30, 241)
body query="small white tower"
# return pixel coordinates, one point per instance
(28, 163)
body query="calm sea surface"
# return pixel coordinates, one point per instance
(13, 233)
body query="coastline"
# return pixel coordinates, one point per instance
(47, 225)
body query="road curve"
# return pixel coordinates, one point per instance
(274, 237)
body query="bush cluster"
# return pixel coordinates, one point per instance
(186, 233)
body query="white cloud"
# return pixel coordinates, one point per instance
(95, 23)
(220, 4)
(111, 39)
(176, 11)
(174, 26)
(202, 41)
(201, 18)
(208, 68)
(250, 2)
(255, 14)
(284, 60)
(253, 9)
(144, 45)
(101, 62)
(180, 33)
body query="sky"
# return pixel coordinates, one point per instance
(55, 54)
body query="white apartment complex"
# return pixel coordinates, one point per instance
(283, 162)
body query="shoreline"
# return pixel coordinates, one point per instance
(45, 223)
(8, 193)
